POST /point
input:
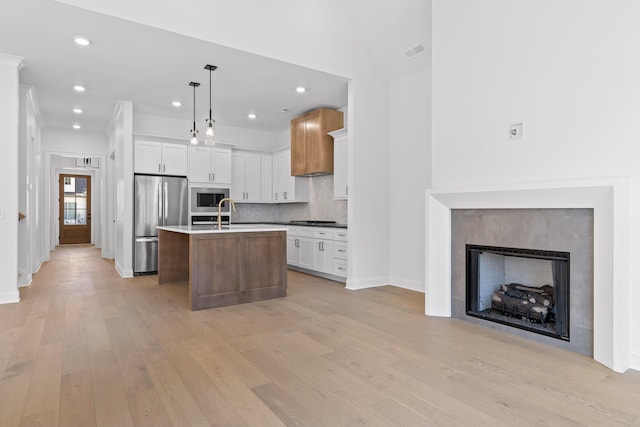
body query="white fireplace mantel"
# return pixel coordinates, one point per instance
(610, 199)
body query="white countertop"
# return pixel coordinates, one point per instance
(207, 229)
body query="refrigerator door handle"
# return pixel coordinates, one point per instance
(165, 203)
(146, 239)
(160, 221)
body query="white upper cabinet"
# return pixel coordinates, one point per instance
(210, 165)
(246, 177)
(267, 177)
(160, 158)
(287, 188)
(340, 164)
(175, 159)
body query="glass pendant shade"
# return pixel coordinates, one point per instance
(194, 139)
(211, 133)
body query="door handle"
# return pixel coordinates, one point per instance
(165, 204)
(159, 167)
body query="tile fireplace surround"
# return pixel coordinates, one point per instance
(610, 201)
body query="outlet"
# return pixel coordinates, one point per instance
(2, 215)
(515, 131)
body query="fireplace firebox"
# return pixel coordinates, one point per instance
(523, 288)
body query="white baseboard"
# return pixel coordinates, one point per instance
(410, 284)
(372, 282)
(24, 279)
(10, 297)
(634, 360)
(125, 273)
(38, 265)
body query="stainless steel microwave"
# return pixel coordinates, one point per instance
(205, 199)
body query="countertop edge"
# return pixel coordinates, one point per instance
(213, 230)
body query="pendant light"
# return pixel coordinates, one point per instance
(194, 131)
(210, 122)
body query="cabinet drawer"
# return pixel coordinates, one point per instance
(340, 251)
(305, 231)
(340, 268)
(340, 234)
(323, 233)
(293, 231)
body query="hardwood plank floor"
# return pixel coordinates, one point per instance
(85, 347)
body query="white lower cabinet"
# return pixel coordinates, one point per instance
(317, 249)
(323, 256)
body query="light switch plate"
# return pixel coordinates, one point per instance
(515, 131)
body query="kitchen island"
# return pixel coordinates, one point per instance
(232, 265)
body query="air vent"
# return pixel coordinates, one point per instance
(413, 51)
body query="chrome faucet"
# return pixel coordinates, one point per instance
(233, 205)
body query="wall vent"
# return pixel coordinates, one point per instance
(413, 51)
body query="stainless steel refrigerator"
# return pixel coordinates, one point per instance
(158, 200)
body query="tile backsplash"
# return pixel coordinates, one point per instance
(321, 206)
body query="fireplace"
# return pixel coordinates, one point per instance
(522, 288)
(600, 263)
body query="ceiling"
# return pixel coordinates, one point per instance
(151, 68)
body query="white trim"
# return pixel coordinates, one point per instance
(124, 272)
(634, 360)
(16, 61)
(372, 282)
(410, 284)
(610, 199)
(10, 298)
(24, 279)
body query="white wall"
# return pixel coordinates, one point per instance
(317, 35)
(75, 142)
(9, 111)
(121, 140)
(566, 70)
(410, 176)
(147, 124)
(30, 229)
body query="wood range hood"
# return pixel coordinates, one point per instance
(311, 146)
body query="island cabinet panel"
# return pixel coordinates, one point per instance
(173, 255)
(236, 268)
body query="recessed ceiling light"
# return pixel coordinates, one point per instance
(252, 116)
(82, 41)
(77, 110)
(301, 89)
(77, 126)
(176, 104)
(78, 88)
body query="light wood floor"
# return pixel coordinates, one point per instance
(85, 347)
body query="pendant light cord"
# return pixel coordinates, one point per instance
(194, 108)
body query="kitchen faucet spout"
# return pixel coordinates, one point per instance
(233, 206)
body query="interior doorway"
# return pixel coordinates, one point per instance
(75, 209)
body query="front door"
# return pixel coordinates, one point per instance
(75, 209)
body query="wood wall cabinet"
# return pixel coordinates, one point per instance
(311, 146)
(160, 158)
